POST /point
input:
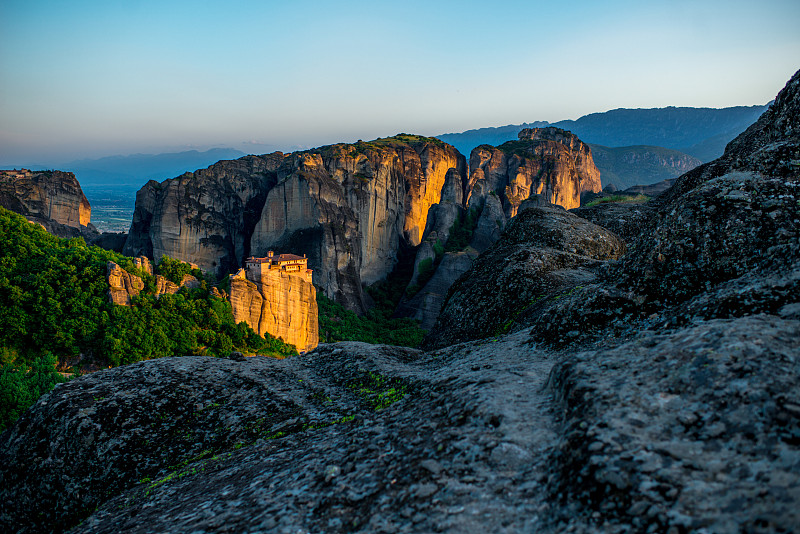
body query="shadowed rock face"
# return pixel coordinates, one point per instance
(544, 161)
(543, 251)
(45, 196)
(205, 217)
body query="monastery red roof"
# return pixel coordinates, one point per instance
(287, 257)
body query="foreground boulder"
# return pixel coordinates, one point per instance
(665, 433)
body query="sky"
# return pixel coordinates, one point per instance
(89, 78)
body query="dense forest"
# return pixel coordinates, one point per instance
(55, 310)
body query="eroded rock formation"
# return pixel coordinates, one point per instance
(548, 161)
(282, 304)
(45, 197)
(345, 206)
(205, 217)
(122, 285)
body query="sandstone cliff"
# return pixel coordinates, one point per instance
(45, 196)
(549, 161)
(278, 303)
(345, 206)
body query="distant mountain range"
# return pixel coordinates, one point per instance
(698, 132)
(139, 168)
(627, 166)
(136, 169)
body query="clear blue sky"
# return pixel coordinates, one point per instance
(85, 78)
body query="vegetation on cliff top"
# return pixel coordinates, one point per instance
(54, 301)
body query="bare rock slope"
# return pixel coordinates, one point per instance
(543, 252)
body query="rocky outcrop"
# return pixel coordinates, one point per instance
(665, 432)
(279, 303)
(143, 263)
(345, 206)
(348, 206)
(676, 431)
(122, 285)
(46, 197)
(543, 252)
(721, 243)
(549, 161)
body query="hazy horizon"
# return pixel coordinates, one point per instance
(90, 79)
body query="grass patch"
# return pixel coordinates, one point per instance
(632, 199)
(377, 391)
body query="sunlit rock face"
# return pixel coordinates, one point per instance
(48, 195)
(347, 207)
(122, 285)
(549, 162)
(278, 303)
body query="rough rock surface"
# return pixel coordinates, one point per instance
(625, 219)
(122, 285)
(542, 252)
(48, 195)
(281, 304)
(544, 161)
(196, 443)
(698, 431)
(678, 412)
